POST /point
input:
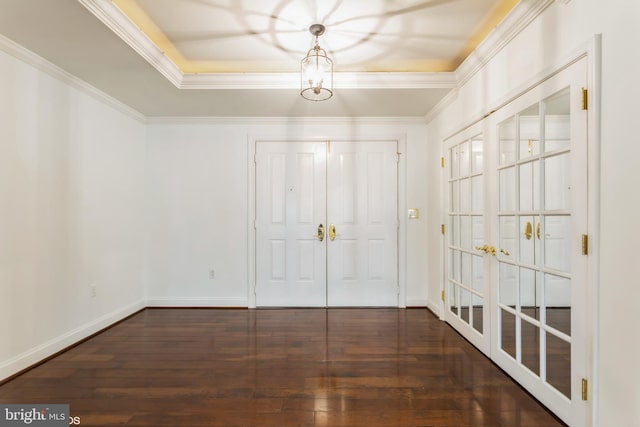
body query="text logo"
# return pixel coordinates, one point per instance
(34, 415)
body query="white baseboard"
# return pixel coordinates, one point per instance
(416, 302)
(196, 302)
(434, 307)
(54, 345)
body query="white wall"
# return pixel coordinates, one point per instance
(71, 189)
(561, 30)
(71, 200)
(197, 180)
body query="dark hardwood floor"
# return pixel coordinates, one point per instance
(296, 367)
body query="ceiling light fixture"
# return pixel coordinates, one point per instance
(316, 70)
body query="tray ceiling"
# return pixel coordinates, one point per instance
(226, 58)
(217, 36)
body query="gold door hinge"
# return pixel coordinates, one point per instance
(442, 228)
(585, 244)
(442, 295)
(585, 99)
(328, 146)
(442, 161)
(585, 389)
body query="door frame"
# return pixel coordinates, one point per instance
(401, 142)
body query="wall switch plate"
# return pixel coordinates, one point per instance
(414, 213)
(212, 274)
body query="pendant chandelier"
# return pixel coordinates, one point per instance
(316, 70)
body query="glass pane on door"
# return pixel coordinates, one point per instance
(452, 299)
(478, 314)
(477, 155)
(508, 189)
(558, 363)
(557, 176)
(508, 332)
(558, 306)
(556, 229)
(557, 114)
(507, 141)
(530, 344)
(508, 284)
(530, 293)
(529, 181)
(529, 131)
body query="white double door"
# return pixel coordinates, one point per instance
(326, 224)
(516, 284)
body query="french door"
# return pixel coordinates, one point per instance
(466, 301)
(530, 291)
(326, 224)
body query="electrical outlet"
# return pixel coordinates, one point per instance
(93, 290)
(212, 274)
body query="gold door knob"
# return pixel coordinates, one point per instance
(487, 249)
(332, 232)
(484, 248)
(504, 251)
(528, 230)
(320, 235)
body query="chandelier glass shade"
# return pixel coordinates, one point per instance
(316, 70)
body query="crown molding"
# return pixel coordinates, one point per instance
(240, 81)
(343, 80)
(517, 20)
(396, 80)
(110, 15)
(23, 54)
(442, 104)
(407, 120)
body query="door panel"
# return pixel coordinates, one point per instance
(465, 307)
(541, 213)
(290, 205)
(362, 206)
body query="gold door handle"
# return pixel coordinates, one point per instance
(332, 232)
(320, 235)
(487, 249)
(504, 251)
(484, 248)
(538, 234)
(528, 230)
